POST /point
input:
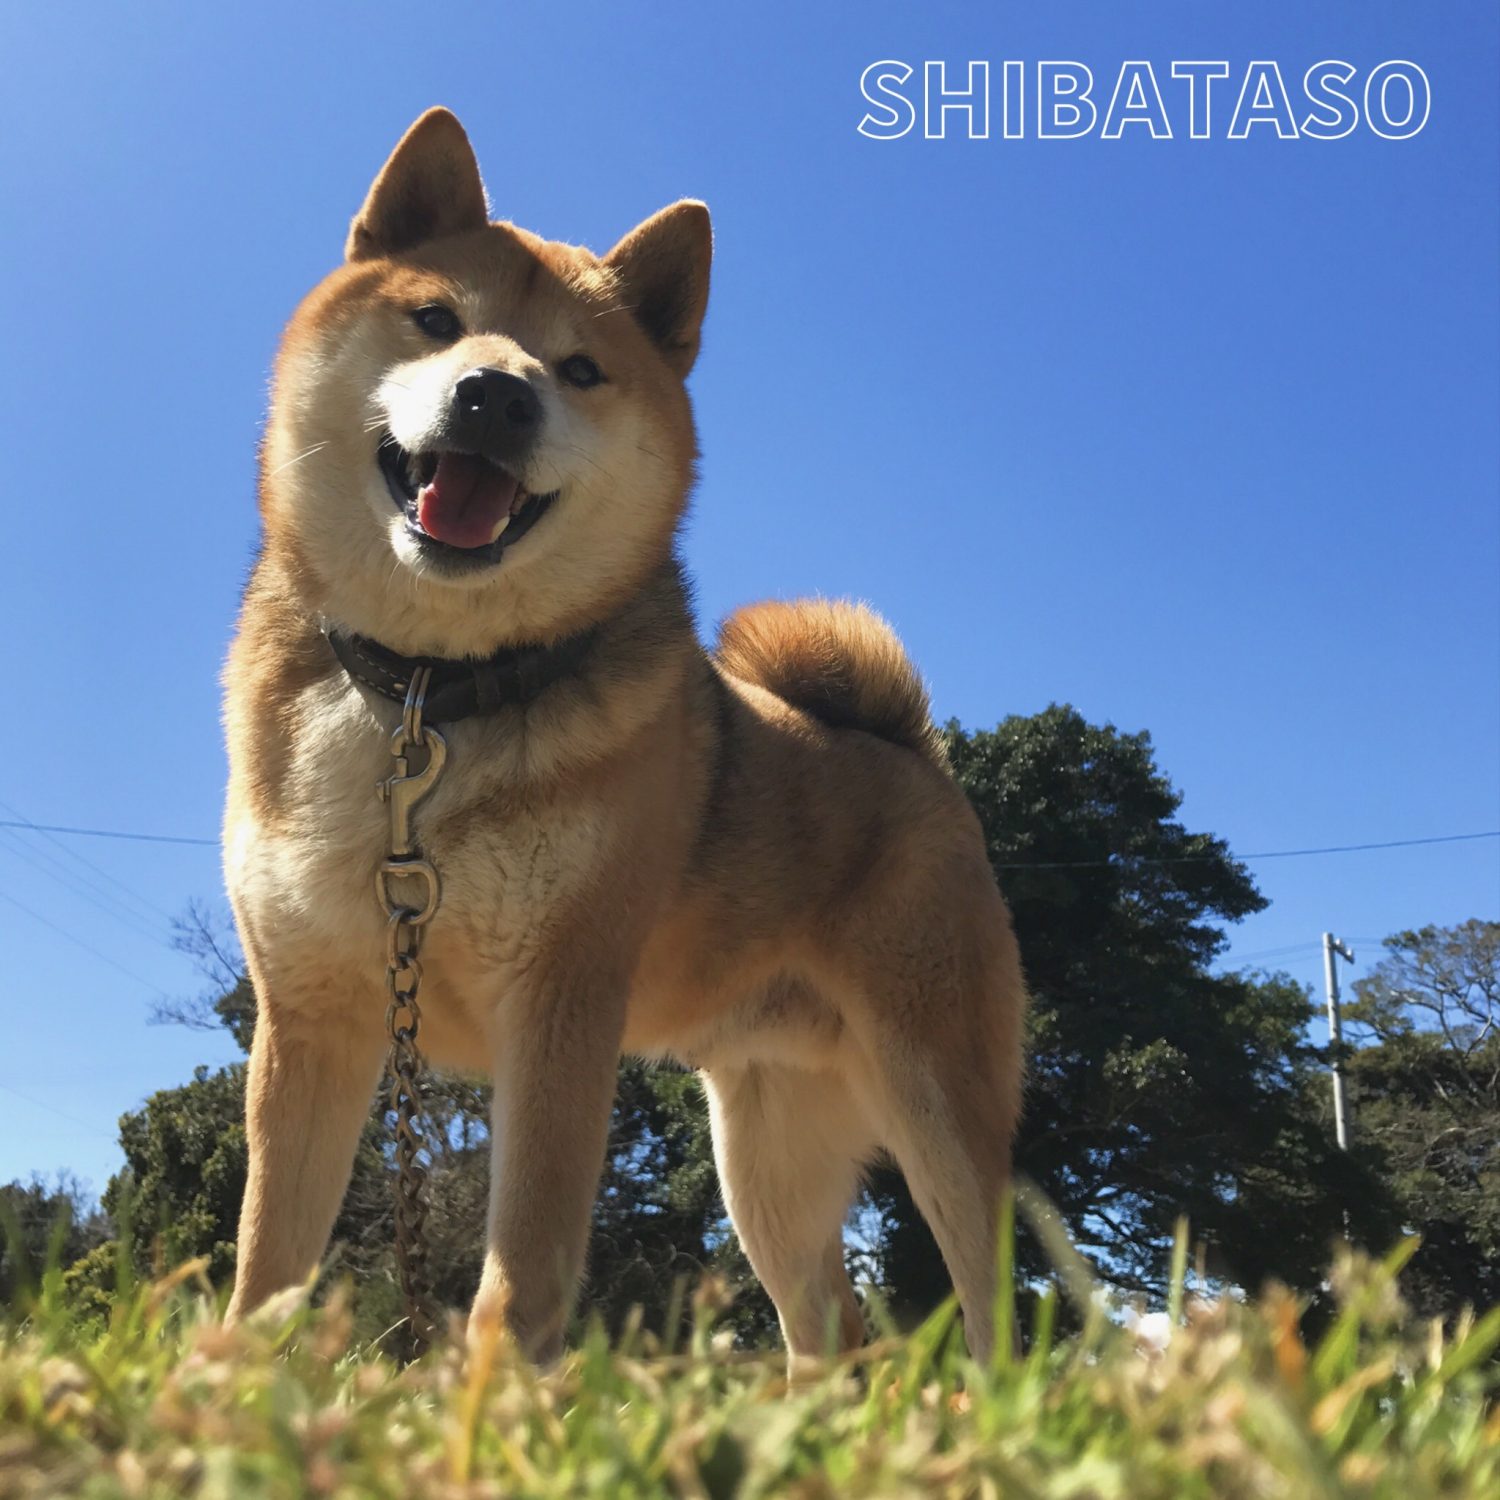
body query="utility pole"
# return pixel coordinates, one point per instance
(1331, 947)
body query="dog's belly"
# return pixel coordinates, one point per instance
(704, 999)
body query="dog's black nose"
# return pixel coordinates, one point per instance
(497, 412)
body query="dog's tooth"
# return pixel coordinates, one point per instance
(496, 534)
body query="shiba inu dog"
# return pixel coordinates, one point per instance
(752, 859)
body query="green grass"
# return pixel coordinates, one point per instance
(165, 1401)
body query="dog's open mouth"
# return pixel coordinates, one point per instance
(459, 503)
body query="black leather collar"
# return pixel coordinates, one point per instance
(467, 686)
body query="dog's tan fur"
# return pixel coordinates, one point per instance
(754, 861)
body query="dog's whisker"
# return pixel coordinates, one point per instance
(306, 453)
(578, 453)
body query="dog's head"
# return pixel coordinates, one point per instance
(478, 436)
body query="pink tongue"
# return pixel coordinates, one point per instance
(466, 500)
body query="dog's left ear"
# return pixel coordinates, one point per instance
(429, 188)
(663, 265)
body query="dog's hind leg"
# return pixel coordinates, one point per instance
(941, 1072)
(790, 1145)
(957, 1170)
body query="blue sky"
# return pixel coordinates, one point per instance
(1200, 436)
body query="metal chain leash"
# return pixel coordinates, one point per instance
(420, 754)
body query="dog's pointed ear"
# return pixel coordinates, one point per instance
(663, 266)
(430, 187)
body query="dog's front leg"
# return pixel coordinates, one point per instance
(557, 1053)
(307, 1096)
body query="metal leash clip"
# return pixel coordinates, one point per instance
(401, 791)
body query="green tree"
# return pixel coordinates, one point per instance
(1424, 1081)
(184, 1171)
(42, 1225)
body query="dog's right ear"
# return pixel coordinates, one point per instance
(429, 188)
(663, 265)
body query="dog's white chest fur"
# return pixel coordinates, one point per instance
(310, 880)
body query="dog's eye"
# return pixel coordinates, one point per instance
(580, 370)
(437, 321)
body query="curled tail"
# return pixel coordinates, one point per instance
(837, 661)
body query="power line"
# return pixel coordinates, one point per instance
(1290, 950)
(85, 888)
(129, 891)
(1295, 950)
(1060, 864)
(60, 1113)
(83, 943)
(1191, 859)
(1446, 838)
(109, 833)
(1056, 864)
